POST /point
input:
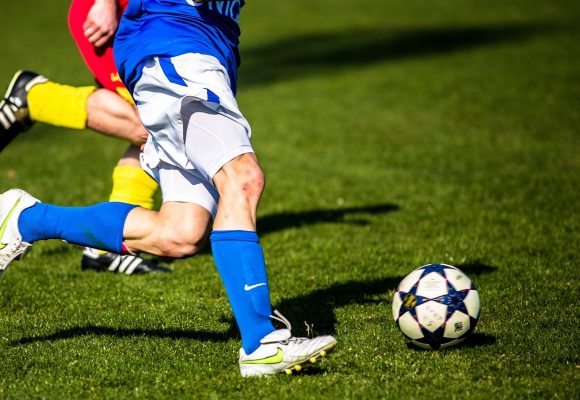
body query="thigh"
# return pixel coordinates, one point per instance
(211, 138)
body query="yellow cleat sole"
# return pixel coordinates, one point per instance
(312, 360)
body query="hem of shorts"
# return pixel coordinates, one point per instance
(229, 156)
(211, 212)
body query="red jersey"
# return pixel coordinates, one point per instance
(100, 60)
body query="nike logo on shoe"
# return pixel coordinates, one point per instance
(275, 359)
(5, 224)
(247, 287)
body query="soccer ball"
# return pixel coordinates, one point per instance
(436, 306)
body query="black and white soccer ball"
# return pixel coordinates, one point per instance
(436, 306)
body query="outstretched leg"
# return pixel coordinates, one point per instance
(237, 251)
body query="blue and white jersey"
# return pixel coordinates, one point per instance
(168, 28)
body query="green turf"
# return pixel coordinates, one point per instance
(393, 134)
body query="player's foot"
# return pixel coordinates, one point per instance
(123, 264)
(12, 203)
(281, 352)
(14, 114)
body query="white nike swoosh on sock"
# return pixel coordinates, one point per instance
(250, 287)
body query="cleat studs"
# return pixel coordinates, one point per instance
(288, 371)
(298, 368)
(323, 353)
(313, 360)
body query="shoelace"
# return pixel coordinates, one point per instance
(279, 317)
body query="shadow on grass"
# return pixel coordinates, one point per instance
(285, 220)
(60, 249)
(318, 53)
(476, 339)
(476, 268)
(318, 306)
(93, 330)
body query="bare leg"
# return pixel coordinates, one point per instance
(180, 229)
(131, 157)
(110, 114)
(177, 230)
(240, 184)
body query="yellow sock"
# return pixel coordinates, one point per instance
(59, 105)
(132, 185)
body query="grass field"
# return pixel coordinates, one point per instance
(393, 134)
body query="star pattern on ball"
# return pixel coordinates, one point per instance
(454, 300)
(411, 301)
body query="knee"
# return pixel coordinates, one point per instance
(181, 242)
(243, 178)
(252, 182)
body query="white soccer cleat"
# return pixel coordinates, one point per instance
(281, 352)
(12, 203)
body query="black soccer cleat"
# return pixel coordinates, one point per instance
(14, 114)
(122, 264)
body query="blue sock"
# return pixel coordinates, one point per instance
(99, 226)
(240, 263)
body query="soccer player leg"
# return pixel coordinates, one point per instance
(131, 184)
(206, 125)
(236, 249)
(219, 147)
(24, 220)
(32, 98)
(177, 230)
(99, 226)
(181, 226)
(60, 105)
(111, 115)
